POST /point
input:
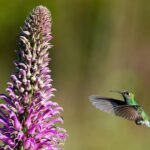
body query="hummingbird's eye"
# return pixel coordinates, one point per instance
(126, 92)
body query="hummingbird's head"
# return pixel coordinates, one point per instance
(127, 94)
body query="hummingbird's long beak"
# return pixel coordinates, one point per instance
(116, 91)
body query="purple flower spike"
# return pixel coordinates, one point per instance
(28, 118)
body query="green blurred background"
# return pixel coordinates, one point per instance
(99, 45)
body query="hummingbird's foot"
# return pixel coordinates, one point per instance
(141, 122)
(147, 123)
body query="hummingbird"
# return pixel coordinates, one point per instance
(128, 108)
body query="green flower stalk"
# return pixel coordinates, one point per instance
(28, 117)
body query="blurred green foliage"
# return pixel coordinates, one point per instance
(99, 45)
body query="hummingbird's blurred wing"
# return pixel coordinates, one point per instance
(116, 107)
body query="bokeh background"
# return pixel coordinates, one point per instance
(99, 45)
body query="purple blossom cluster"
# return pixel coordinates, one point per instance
(28, 117)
